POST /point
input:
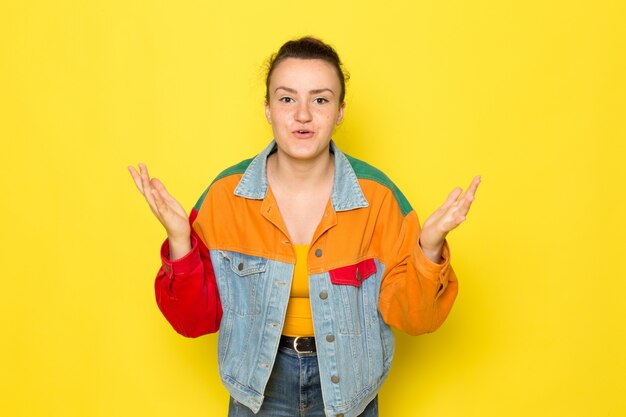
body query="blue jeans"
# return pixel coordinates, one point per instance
(293, 390)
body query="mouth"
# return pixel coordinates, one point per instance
(303, 133)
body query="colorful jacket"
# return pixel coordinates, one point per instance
(366, 272)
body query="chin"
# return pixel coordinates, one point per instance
(303, 156)
(310, 153)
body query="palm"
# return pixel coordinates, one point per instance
(165, 207)
(447, 217)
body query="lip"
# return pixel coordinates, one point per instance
(303, 133)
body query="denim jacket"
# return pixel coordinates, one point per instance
(366, 272)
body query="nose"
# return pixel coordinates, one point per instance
(303, 113)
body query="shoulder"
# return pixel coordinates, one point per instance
(228, 178)
(372, 178)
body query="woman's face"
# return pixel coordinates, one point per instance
(304, 107)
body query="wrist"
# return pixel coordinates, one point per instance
(179, 239)
(432, 252)
(179, 247)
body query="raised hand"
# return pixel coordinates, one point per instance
(447, 217)
(166, 209)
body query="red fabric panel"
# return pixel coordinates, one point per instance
(353, 274)
(186, 289)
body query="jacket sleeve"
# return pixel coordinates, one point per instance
(186, 289)
(416, 294)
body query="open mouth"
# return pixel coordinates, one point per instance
(303, 133)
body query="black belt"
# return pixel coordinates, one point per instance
(299, 344)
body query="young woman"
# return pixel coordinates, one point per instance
(303, 256)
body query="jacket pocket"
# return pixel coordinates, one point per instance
(244, 276)
(354, 302)
(353, 274)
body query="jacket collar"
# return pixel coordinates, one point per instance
(346, 193)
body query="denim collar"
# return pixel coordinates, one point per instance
(346, 193)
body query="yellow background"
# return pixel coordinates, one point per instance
(529, 94)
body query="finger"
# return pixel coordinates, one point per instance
(452, 198)
(463, 207)
(450, 221)
(469, 195)
(456, 218)
(158, 185)
(160, 204)
(136, 178)
(145, 181)
(471, 189)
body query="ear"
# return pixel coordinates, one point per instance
(268, 114)
(340, 116)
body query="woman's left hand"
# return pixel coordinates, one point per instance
(447, 217)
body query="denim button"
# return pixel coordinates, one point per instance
(240, 266)
(330, 338)
(340, 415)
(323, 295)
(334, 379)
(318, 253)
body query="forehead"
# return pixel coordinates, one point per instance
(305, 73)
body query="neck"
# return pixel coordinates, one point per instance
(299, 175)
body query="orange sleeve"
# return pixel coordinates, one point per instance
(416, 294)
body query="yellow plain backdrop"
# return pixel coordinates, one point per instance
(529, 94)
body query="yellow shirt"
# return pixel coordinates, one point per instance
(298, 321)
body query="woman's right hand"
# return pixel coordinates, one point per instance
(165, 207)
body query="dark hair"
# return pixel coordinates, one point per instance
(307, 48)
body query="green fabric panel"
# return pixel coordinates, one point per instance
(240, 168)
(366, 171)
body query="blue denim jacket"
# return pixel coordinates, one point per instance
(359, 356)
(355, 345)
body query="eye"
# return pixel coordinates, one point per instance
(286, 99)
(321, 100)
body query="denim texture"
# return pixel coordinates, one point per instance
(293, 390)
(354, 345)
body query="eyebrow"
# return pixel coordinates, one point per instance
(319, 90)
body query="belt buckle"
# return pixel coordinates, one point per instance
(295, 346)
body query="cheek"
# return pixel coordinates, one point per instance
(279, 116)
(329, 119)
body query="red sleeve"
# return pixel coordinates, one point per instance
(186, 289)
